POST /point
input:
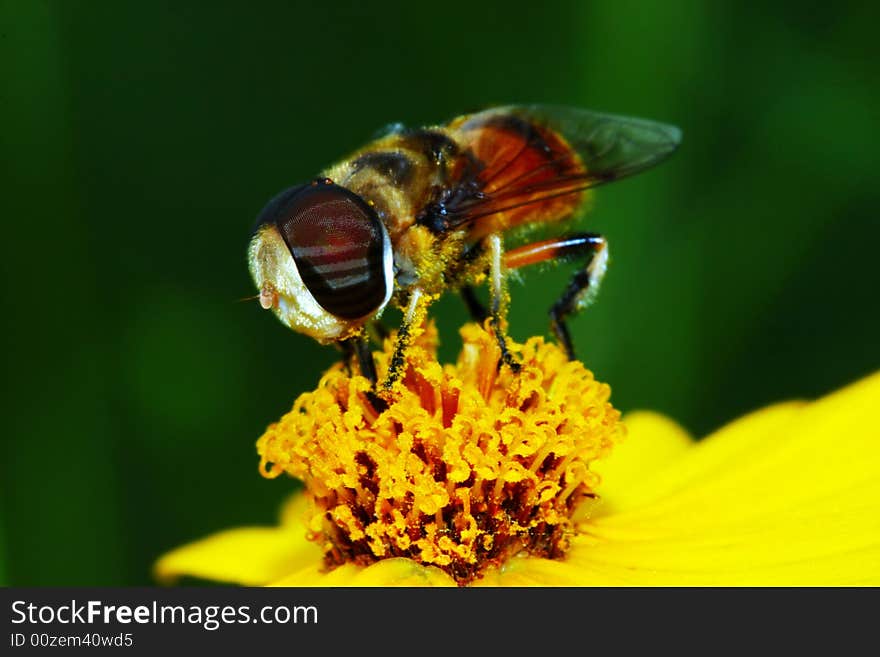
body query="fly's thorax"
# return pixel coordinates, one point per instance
(398, 175)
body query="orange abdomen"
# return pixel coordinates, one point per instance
(527, 173)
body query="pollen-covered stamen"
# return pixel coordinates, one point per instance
(468, 465)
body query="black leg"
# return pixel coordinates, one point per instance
(563, 307)
(347, 349)
(584, 284)
(365, 359)
(358, 348)
(582, 288)
(475, 307)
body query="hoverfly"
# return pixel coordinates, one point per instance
(421, 211)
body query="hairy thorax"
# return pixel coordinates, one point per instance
(400, 176)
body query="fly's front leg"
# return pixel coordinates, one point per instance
(347, 349)
(584, 285)
(413, 316)
(358, 349)
(498, 298)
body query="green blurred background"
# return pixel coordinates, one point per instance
(140, 139)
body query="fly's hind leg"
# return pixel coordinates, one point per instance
(584, 285)
(581, 290)
(475, 307)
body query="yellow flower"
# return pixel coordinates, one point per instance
(476, 475)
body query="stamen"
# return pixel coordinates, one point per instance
(468, 464)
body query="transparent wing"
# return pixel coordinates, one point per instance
(610, 147)
(534, 161)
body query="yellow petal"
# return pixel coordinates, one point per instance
(786, 496)
(523, 570)
(652, 442)
(245, 555)
(294, 511)
(722, 453)
(388, 572)
(789, 495)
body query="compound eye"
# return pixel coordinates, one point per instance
(340, 247)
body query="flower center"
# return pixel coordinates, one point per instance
(469, 464)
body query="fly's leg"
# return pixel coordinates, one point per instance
(347, 349)
(476, 309)
(584, 285)
(358, 348)
(413, 317)
(581, 290)
(498, 299)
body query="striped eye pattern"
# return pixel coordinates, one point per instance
(340, 246)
